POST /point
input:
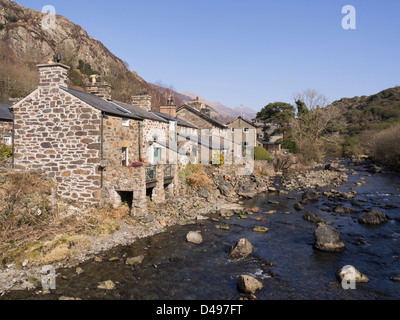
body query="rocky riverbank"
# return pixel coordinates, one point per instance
(226, 193)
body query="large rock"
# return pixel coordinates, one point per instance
(374, 217)
(242, 249)
(225, 189)
(247, 193)
(351, 274)
(298, 206)
(328, 239)
(248, 284)
(107, 285)
(310, 196)
(135, 260)
(194, 237)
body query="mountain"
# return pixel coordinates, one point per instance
(218, 107)
(24, 43)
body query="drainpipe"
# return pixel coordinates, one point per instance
(101, 151)
(140, 147)
(13, 130)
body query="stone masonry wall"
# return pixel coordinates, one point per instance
(59, 134)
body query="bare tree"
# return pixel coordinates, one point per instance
(312, 99)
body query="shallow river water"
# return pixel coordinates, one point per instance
(283, 259)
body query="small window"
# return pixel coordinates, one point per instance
(125, 159)
(233, 129)
(261, 136)
(245, 144)
(125, 122)
(246, 130)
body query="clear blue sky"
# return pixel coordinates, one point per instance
(248, 52)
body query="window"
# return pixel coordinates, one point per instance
(246, 130)
(125, 159)
(233, 129)
(261, 136)
(245, 144)
(157, 155)
(125, 122)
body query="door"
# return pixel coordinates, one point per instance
(157, 155)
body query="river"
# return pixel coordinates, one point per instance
(283, 259)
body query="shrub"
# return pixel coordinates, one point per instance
(261, 154)
(5, 151)
(2, 26)
(188, 170)
(12, 19)
(289, 145)
(199, 180)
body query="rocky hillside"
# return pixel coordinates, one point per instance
(24, 43)
(378, 111)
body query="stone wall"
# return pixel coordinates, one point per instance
(59, 134)
(150, 128)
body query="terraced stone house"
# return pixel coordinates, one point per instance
(97, 150)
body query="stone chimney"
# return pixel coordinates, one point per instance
(99, 88)
(170, 108)
(53, 75)
(142, 101)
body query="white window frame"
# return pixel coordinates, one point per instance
(126, 150)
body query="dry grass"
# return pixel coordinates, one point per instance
(53, 236)
(199, 180)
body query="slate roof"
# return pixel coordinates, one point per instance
(266, 143)
(5, 113)
(138, 111)
(202, 115)
(180, 122)
(245, 120)
(108, 107)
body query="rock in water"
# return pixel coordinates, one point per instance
(107, 285)
(328, 239)
(135, 260)
(351, 274)
(374, 217)
(310, 196)
(242, 249)
(298, 206)
(194, 237)
(248, 284)
(313, 218)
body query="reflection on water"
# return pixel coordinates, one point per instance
(283, 259)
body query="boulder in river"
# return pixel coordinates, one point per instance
(374, 217)
(310, 196)
(311, 217)
(194, 237)
(248, 284)
(328, 239)
(242, 249)
(298, 206)
(344, 210)
(135, 260)
(350, 273)
(107, 285)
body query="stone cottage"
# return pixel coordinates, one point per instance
(91, 146)
(6, 124)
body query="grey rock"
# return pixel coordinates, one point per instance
(311, 217)
(194, 237)
(374, 217)
(328, 239)
(310, 196)
(298, 206)
(248, 284)
(242, 249)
